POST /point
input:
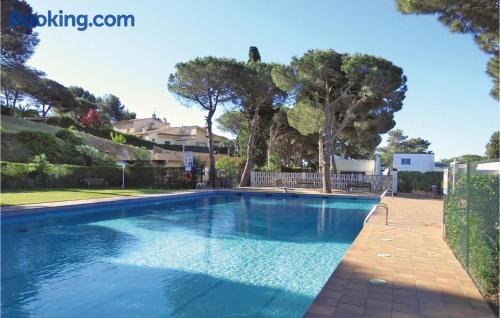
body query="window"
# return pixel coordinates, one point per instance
(167, 142)
(405, 161)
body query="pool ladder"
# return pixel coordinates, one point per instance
(383, 205)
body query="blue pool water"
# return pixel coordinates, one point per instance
(204, 256)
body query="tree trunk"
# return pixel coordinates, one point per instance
(272, 136)
(327, 152)
(334, 148)
(321, 143)
(237, 145)
(16, 96)
(212, 173)
(269, 146)
(45, 110)
(245, 176)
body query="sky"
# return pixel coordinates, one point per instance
(447, 100)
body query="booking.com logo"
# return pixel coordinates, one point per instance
(81, 21)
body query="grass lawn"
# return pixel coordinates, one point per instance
(16, 125)
(31, 196)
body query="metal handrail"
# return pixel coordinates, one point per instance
(385, 192)
(386, 212)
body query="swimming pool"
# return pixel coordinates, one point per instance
(206, 255)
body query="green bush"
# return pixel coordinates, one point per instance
(30, 113)
(16, 112)
(63, 121)
(228, 167)
(411, 181)
(15, 169)
(118, 138)
(13, 150)
(141, 155)
(68, 136)
(273, 166)
(41, 164)
(37, 142)
(42, 168)
(94, 157)
(56, 149)
(7, 111)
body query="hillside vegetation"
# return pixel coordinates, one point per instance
(13, 129)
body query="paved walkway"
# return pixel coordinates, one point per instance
(423, 277)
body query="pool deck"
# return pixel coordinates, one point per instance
(423, 277)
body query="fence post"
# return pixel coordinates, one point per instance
(394, 182)
(445, 201)
(467, 219)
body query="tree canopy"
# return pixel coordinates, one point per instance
(399, 142)
(17, 81)
(85, 101)
(49, 95)
(235, 123)
(258, 94)
(476, 17)
(346, 90)
(112, 108)
(253, 55)
(207, 83)
(18, 42)
(492, 148)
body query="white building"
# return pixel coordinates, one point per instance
(423, 162)
(359, 166)
(488, 167)
(134, 126)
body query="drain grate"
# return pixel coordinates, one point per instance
(384, 255)
(377, 281)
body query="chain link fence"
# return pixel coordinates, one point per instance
(471, 219)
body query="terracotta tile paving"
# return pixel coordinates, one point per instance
(423, 277)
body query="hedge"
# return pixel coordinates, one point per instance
(412, 181)
(22, 175)
(472, 227)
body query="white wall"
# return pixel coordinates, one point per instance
(355, 165)
(489, 168)
(422, 162)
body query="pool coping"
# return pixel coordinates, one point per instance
(28, 209)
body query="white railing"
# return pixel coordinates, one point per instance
(314, 180)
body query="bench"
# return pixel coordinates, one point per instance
(94, 182)
(359, 185)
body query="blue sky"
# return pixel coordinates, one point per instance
(447, 100)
